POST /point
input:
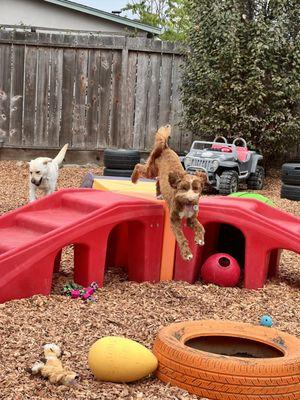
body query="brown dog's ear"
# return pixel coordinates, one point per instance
(47, 161)
(202, 176)
(174, 179)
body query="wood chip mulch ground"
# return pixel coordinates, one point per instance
(136, 311)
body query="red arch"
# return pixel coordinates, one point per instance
(32, 236)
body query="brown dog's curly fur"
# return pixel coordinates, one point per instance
(180, 189)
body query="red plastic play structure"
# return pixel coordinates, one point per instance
(32, 238)
(108, 228)
(256, 231)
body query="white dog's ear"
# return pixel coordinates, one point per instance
(47, 160)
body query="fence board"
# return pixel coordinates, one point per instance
(79, 123)
(4, 90)
(114, 134)
(43, 61)
(93, 97)
(89, 42)
(142, 87)
(175, 114)
(105, 97)
(165, 90)
(123, 98)
(30, 95)
(129, 106)
(16, 101)
(153, 100)
(55, 96)
(87, 90)
(69, 67)
(186, 140)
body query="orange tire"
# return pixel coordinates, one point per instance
(211, 374)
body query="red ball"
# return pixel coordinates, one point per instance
(221, 269)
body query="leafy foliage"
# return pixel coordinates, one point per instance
(170, 15)
(242, 72)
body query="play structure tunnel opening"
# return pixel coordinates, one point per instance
(117, 247)
(65, 253)
(277, 257)
(116, 250)
(225, 238)
(125, 240)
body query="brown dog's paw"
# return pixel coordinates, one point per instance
(199, 241)
(189, 257)
(186, 254)
(134, 177)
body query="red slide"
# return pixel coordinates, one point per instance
(265, 230)
(31, 239)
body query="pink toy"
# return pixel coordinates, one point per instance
(85, 296)
(75, 294)
(84, 293)
(32, 236)
(89, 291)
(221, 269)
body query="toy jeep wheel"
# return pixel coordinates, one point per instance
(256, 179)
(229, 182)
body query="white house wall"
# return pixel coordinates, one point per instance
(42, 14)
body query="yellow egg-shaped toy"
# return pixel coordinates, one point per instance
(117, 359)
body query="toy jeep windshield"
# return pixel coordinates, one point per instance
(226, 164)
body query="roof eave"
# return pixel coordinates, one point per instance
(106, 15)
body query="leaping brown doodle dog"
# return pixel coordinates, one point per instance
(180, 189)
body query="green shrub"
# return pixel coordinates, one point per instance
(242, 72)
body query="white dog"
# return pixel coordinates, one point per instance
(44, 173)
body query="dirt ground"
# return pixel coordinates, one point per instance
(136, 311)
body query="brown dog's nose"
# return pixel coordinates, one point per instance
(32, 181)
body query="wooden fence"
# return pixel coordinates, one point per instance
(89, 91)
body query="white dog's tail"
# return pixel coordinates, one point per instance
(61, 155)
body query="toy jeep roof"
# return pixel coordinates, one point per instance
(226, 164)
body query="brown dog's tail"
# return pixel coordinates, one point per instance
(161, 143)
(161, 140)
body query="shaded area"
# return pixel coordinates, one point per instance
(234, 347)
